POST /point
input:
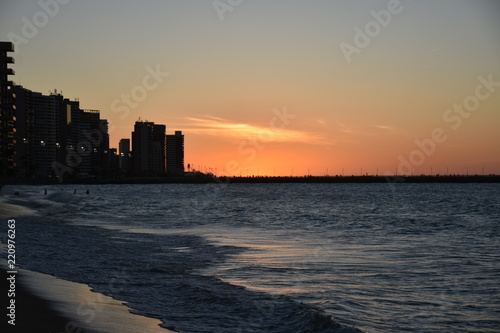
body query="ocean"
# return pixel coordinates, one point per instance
(275, 257)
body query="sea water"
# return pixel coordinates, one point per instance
(276, 257)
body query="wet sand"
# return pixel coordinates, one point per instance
(32, 313)
(47, 304)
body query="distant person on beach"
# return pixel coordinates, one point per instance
(45, 193)
(74, 192)
(88, 192)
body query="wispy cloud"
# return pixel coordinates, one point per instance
(210, 125)
(364, 131)
(384, 127)
(392, 130)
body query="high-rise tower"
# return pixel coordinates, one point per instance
(148, 149)
(175, 154)
(7, 112)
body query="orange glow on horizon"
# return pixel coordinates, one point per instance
(269, 91)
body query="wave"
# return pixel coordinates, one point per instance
(33, 203)
(159, 278)
(11, 210)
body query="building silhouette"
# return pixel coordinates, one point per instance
(52, 129)
(175, 154)
(148, 149)
(7, 112)
(25, 129)
(46, 136)
(45, 133)
(125, 155)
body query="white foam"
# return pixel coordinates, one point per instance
(9, 210)
(92, 311)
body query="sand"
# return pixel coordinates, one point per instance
(48, 304)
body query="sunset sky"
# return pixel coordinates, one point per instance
(279, 87)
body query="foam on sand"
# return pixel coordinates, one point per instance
(91, 311)
(8, 210)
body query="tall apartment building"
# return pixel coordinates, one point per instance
(73, 116)
(89, 143)
(112, 163)
(125, 155)
(105, 155)
(52, 129)
(44, 135)
(25, 128)
(42, 132)
(7, 112)
(157, 152)
(175, 154)
(148, 149)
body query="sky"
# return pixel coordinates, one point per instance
(283, 87)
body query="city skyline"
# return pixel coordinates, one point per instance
(49, 136)
(282, 88)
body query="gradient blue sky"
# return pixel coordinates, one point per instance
(227, 76)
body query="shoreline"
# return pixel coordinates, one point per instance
(33, 313)
(208, 179)
(47, 304)
(10, 210)
(44, 303)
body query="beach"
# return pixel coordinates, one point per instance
(44, 303)
(32, 313)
